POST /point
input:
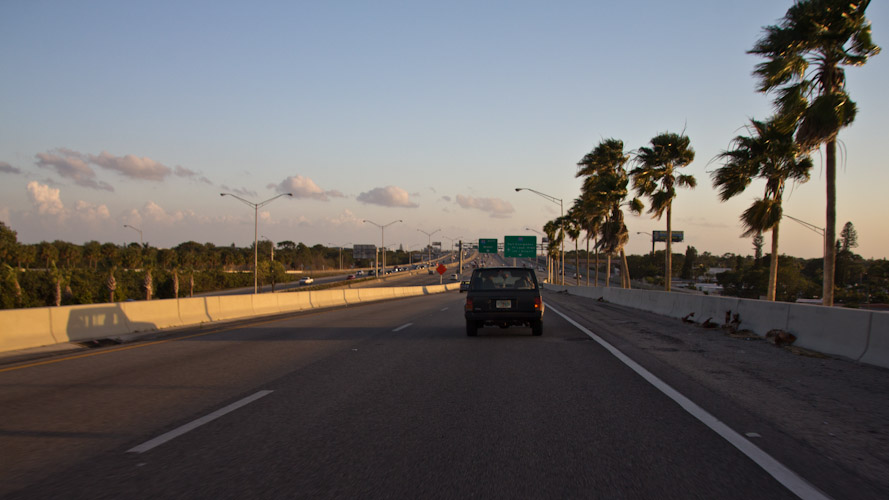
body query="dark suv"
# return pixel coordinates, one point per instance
(504, 297)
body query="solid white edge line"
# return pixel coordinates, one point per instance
(163, 438)
(402, 327)
(789, 479)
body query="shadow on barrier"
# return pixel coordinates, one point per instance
(92, 323)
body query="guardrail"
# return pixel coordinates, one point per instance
(852, 333)
(42, 326)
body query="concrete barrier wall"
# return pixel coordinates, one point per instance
(145, 316)
(35, 327)
(266, 303)
(878, 343)
(89, 322)
(851, 333)
(28, 328)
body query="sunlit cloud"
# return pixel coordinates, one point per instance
(495, 207)
(132, 166)
(303, 187)
(389, 196)
(45, 199)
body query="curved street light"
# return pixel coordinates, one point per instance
(382, 239)
(429, 245)
(561, 219)
(256, 207)
(138, 230)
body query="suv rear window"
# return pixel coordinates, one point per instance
(494, 279)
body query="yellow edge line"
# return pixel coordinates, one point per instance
(118, 349)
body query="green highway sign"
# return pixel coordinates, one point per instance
(521, 247)
(487, 245)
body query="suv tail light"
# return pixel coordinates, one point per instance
(538, 303)
(468, 306)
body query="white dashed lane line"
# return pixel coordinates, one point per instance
(402, 327)
(163, 438)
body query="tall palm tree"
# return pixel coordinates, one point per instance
(656, 177)
(770, 153)
(604, 190)
(804, 59)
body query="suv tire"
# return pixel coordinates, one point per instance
(471, 329)
(537, 328)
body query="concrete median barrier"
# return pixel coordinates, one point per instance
(27, 328)
(760, 316)
(233, 307)
(830, 329)
(23, 328)
(151, 315)
(193, 311)
(878, 341)
(89, 322)
(266, 303)
(327, 298)
(294, 301)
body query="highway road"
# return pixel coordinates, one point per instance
(393, 400)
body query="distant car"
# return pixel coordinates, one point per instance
(430, 271)
(308, 280)
(360, 273)
(504, 297)
(350, 277)
(455, 277)
(464, 286)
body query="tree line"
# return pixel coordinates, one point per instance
(62, 273)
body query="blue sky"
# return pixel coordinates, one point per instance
(141, 113)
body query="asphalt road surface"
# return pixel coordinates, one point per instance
(393, 400)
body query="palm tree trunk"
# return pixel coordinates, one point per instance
(596, 245)
(608, 270)
(830, 252)
(588, 261)
(625, 270)
(773, 266)
(576, 263)
(668, 270)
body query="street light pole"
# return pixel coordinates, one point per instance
(429, 246)
(137, 230)
(652, 240)
(561, 219)
(256, 207)
(383, 239)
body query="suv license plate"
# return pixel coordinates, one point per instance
(503, 304)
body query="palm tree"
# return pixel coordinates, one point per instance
(770, 153)
(573, 229)
(804, 59)
(589, 215)
(655, 176)
(555, 233)
(604, 190)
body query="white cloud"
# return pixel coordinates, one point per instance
(303, 187)
(46, 199)
(389, 196)
(494, 206)
(90, 212)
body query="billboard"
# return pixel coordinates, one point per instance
(364, 251)
(678, 236)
